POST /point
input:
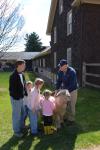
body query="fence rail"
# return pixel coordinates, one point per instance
(85, 74)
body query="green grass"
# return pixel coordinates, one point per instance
(85, 133)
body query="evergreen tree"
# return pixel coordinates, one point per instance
(33, 43)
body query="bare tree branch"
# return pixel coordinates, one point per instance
(11, 23)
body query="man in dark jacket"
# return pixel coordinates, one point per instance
(17, 92)
(67, 79)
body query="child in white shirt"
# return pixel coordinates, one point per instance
(32, 102)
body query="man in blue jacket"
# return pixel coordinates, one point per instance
(66, 79)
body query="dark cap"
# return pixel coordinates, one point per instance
(62, 62)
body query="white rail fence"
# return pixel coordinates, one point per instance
(85, 74)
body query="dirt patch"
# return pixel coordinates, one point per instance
(3, 89)
(92, 148)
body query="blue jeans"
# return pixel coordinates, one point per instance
(33, 121)
(17, 115)
(25, 113)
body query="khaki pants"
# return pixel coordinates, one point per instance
(70, 115)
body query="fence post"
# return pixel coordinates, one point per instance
(83, 74)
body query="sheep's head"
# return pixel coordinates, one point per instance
(64, 93)
(62, 97)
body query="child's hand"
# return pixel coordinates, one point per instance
(33, 110)
(56, 91)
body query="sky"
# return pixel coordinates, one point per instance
(36, 14)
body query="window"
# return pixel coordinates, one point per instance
(55, 60)
(33, 64)
(43, 62)
(55, 34)
(69, 22)
(60, 6)
(37, 63)
(69, 56)
(40, 62)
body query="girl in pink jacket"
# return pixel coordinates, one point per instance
(47, 104)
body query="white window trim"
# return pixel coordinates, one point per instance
(36, 62)
(69, 56)
(69, 22)
(55, 59)
(40, 62)
(55, 34)
(60, 6)
(43, 62)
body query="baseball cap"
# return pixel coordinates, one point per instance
(62, 62)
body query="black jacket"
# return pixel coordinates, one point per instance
(16, 89)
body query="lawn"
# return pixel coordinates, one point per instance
(85, 133)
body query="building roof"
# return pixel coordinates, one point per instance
(19, 55)
(53, 10)
(43, 53)
(51, 16)
(78, 2)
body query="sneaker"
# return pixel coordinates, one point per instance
(19, 135)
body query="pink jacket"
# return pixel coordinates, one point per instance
(47, 106)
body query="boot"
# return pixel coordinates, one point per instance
(50, 131)
(45, 130)
(53, 128)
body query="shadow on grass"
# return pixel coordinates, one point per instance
(63, 140)
(22, 143)
(26, 143)
(13, 141)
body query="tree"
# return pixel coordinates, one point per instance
(11, 23)
(33, 43)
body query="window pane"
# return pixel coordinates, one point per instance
(40, 62)
(55, 34)
(69, 22)
(43, 62)
(70, 17)
(69, 56)
(60, 6)
(55, 57)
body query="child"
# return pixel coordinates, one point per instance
(29, 86)
(33, 102)
(47, 105)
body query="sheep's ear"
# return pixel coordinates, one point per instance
(68, 98)
(57, 93)
(67, 93)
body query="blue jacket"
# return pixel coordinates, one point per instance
(67, 80)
